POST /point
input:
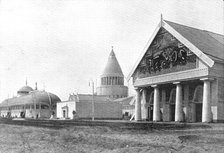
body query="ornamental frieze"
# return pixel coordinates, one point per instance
(165, 54)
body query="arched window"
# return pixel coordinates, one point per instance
(172, 98)
(44, 106)
(151, 98)
(198, 94)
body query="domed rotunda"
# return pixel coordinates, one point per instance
(112, 79)
(30, 103)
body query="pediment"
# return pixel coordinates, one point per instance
(174, 36)
(164, 55)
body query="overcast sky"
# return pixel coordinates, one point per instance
(65, 43)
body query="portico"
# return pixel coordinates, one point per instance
(176, 80)
(175, 104)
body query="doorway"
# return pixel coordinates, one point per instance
(172, 112)
(198, 112)
(197, 100)
(150, 110)
(65, 112)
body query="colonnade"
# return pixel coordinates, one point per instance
(112, 81)
(206, 108)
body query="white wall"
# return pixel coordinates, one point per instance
(71, 106)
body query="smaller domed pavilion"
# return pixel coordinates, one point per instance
(30, 104)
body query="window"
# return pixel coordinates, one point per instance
(44, 107)
(27, 107)
(37, 106)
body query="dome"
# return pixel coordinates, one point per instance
(46, 97)
(112, 67)
(24, 90)
(34, 97)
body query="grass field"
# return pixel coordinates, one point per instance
(85, 139)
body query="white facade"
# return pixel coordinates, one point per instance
(65, 109)
(84, 108)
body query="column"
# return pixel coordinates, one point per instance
(164, 107)
(178, 106)
(145, 106)
(138, 105)
(206, 108)
(156, 107)
(186, 101)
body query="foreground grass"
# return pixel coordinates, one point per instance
(84, 139)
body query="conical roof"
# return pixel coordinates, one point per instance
(112, 67)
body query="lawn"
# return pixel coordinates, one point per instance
(86, 139)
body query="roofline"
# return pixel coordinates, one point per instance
(195, 28)
(91, 95)
(188, 44)
(144, 50)
(208, 61)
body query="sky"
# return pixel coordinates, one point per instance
(64, 44)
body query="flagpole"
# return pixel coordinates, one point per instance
(93, 109)
(93, 101)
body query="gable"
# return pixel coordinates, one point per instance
(200, 52)
(210, 43)
(165, 55)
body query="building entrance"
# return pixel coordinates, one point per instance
(172, 112)
(198, 109)
(150, 110)
(65, 112)
(197, 102)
